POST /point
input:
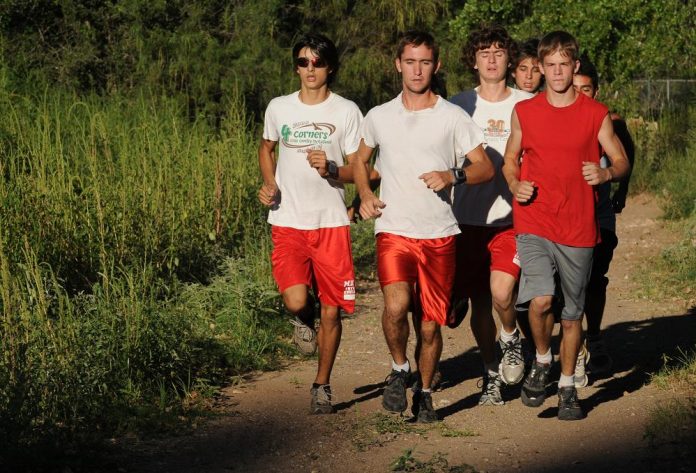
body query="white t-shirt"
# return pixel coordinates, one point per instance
(411, 144)
(308, 201)
(490, 203)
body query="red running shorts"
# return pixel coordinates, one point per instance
(320, 259)
(481, 250)
(429, 264)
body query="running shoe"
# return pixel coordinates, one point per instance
(491, 390)
(512, 363)
(321, 400)
(435, 384)
(394, 397)
(304, 337)
(568, 404)
(423, 407)
(534, 387)
(580, 376)
(601, 361)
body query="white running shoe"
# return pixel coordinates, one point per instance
(580, 376)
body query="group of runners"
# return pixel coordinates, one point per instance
(488, 200)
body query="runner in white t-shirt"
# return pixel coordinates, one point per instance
(487, 263)
(316, 133)
(422, 141)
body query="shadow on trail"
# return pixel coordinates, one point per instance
(454, 370)
(638, 350)
(370, 391)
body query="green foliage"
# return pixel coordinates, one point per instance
(665, 166)
(436, 464)
(674, 422)
(108, 205)
(626, 40)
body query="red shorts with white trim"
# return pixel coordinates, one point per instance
(429, 264)
(320, 259)
(481, 250)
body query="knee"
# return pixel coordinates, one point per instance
(541, 304)
(429, 332)
(571, 325)
(395, 311)
(295, 302)
(502, 297)
(330, 316)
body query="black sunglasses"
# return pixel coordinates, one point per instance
(316, 62)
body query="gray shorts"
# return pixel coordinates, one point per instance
(544, 263)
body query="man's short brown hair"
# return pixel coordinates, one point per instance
(416, 38)
(558, 41)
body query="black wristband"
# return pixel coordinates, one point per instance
(459, 176)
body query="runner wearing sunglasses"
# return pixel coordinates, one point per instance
(315, 132)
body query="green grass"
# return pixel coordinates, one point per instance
(674, 421)
(134, 264)
(665, 166)
(437, 463)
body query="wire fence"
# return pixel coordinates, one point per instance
(657, 94)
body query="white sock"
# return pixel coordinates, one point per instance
(508, 337)
(546, 358)
(404, 367)
(566, 381)
(429, 390)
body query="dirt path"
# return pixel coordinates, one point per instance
(266, 426)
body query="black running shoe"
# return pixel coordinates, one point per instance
(568, 404)
(394, 397)
(534, 387)
(321, 400)
(423, 408)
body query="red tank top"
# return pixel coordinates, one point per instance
(555, 141)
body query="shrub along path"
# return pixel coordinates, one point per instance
(265, 426)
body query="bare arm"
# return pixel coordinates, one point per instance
(370, 205)
(522, 191)
(480, 170)
(267, 164)
(592, 172)
(318, 160)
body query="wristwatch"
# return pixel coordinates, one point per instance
(459, 176)
(332, 169)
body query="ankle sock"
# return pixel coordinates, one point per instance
(508, 337)
(546, 358)
(566, 381)
(405, 367)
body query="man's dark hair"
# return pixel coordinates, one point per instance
(526, 49)
(485, 37)
(588, 69)
(322, 47)
(558, 41)
(416, 38)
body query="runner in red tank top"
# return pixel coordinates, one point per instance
(554, 209)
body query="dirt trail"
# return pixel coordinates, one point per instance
(266, 426)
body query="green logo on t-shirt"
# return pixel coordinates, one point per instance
(285, 131)
(306, 134)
